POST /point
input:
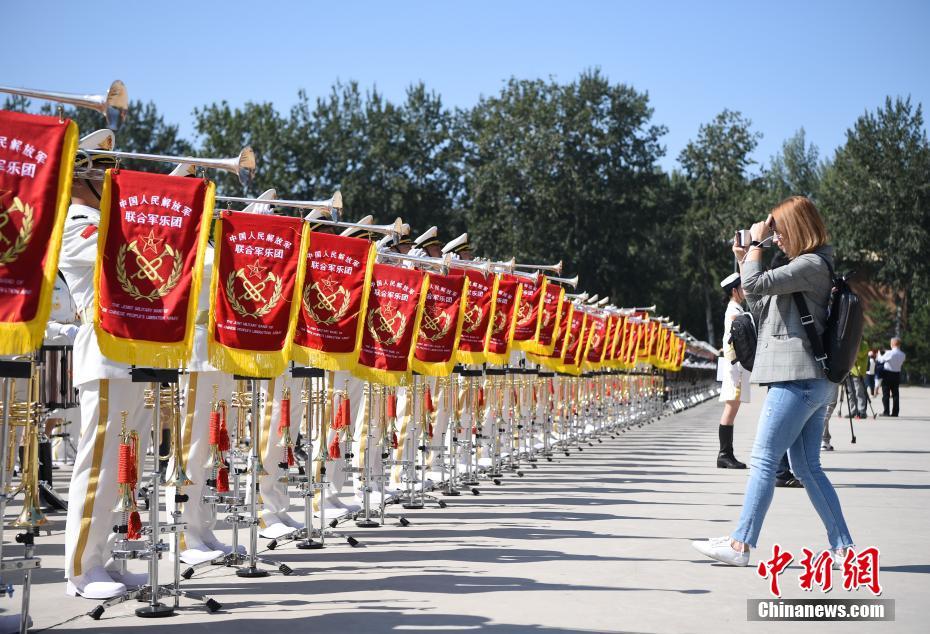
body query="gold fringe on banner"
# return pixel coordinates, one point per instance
(340, 360)
(256, 363)
(152, 354)
(477, 358)
(437, 368)
(396, 378)
(24, 337)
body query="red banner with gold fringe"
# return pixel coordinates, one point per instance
(253, 311)
(36, 166)
(441, 325)
(333, 300)
(392, 321)
(153, 234)
(479, 309)
(504, 319)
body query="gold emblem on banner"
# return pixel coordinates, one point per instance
(326, 301)
(596, 341)
(546, 318)
(500, 323)
(148, 268)
(386, 324)
(435, 324)
(473, 318)
(253, 292)
(524, 314)
(14, 247)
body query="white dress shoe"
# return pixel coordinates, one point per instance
(719, 548)
(287, 520)
(95, 584)
(276, 530)
(199, 555)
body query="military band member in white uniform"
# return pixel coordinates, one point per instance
(105, 391)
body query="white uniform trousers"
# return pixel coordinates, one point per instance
(197, 401)
(367, 419)
(406, 437)
(442, 401)
(274, 495)
(93, 491)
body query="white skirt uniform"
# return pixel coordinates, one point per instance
(734, 379)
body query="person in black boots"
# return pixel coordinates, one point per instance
(732, 375)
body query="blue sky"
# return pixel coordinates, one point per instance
(785, 65)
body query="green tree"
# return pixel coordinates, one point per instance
(876, 196)
(567, 170)
(717, 171)
(795, 170)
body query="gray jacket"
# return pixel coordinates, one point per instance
(784, 352)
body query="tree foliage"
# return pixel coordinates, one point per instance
(545, 170)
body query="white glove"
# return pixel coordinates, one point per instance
(70, 331)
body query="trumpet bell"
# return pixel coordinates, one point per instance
(125, 503)
(116, 105)
(31, 515)
(179, 479)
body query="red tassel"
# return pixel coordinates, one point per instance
(223, 444)
(285, 420)
(290, 457)
(551, 388)
(343, 415)
(134, 527)
(429, 401)
(392, 406)
(474, 430)
(334, 451)
(125, 465)
(222, 480)
(214, 428)
(429, 430)
(480, 397)
(394, 443)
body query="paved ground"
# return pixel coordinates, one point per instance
(595, 542)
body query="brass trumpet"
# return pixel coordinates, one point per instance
(114, 105)
(243, 166)
(26, 414)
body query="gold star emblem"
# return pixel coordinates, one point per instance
(255, 270)
(150, 242)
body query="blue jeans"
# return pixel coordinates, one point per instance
(792, 419)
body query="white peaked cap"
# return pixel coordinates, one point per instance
(385, 242)
(184, 169)
(428, 234)
(729, 279)
(351, 231)
(315, 214)
(98, 140)
(454, 244)
(259, 208)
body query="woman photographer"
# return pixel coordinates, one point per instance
(793, 414)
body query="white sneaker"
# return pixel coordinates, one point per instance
(825, 446)
(276, 530)
(129, 579)
(839, 554)
(719, 548)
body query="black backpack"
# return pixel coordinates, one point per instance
(743, 338)
(837, 348)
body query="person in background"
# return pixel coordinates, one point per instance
(879, 370)
(733, 376)
(870, 374)
(891, 376)
(855, 383)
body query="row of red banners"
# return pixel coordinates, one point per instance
(278, 291)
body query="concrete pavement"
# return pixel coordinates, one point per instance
(595, 542)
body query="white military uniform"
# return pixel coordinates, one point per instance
(733, 376)
(197, 389)
(105, 390)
